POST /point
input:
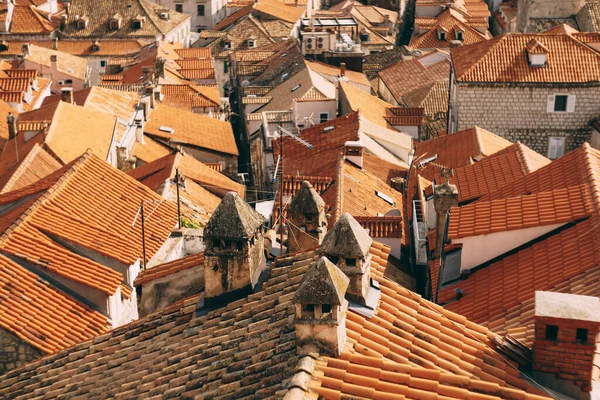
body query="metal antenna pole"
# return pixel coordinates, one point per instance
(178, 204)
(281, 198)
(143, 235)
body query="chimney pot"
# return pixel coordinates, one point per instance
(55, 44)
(12, 125)
(343, 69)
(53, 58)
(66, 95)
(306, 215)
(445, 196)
(353, 150)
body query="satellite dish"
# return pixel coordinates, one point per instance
(393, 213)
(245, 83)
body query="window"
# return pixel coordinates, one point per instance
(326, 308)
(442, 36)
(60, 83)
(137, 24)
(551, 332)
(459, 36)
(227, 45)
(582, 335)
(179, 8)
(561, 103)
(69, 81)
(556, 147)
(225, 66)
(323, 117)
(251, 43)
(200, 10)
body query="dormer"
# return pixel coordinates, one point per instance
(82, 22)
(115, 22)
(307, 220)
(234, 255)
(251, 42)
(4, 45)
(365, 36)
(442, 33)
(137, 23)
(227, 44)
(537, 53)
(95, 46)
(459, 34)
(347, 245)
(321, 310)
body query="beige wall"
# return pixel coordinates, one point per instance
(520, 113)
(55, 75)
(496, 244)
(311, 109)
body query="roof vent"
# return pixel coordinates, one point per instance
(328, 128)
(167, 129)
(295, 88)
(164, 15)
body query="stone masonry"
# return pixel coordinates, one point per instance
(14, 352)
(519, 113)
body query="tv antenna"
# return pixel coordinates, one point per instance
(284, 132)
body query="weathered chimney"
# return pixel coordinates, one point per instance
(66, 95)
(564, 346)
(347, 245)
(12, 125)
(307, 222)
(445, 196)
(234, 249)
(53, 61)
(343, 69)
(159, 67)
(55, 44)
(353, 150)
(321, 310)
(25, 50)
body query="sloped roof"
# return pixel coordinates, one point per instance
(99, 15)
(149, 150)
(26, 19)
(372, 107)
(37, 164)
(171, 267)
(66, 63)
(333, 71)
(233, 219)
(279, 10)
(65, 136)
(346, 239)
(452, 22)
(254, 338)
(323, 283)
(41, 315)
(504, 59)
(215, 135)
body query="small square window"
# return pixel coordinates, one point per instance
(179, 8)
(103, 63)
(581, 335)
(69, 81)
(200, 10)
(459, 36)
(560, 103)
(326, 308)
(551, 332)
(442, 36)
(323, 117)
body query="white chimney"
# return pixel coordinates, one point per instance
(353, 151)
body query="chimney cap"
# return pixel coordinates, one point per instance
(233, 219)
(567, 306)
(307, 200)
(323, 283)
(346, 239)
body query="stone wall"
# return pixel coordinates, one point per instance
(14, 352)
(545, 9)
(520, 113)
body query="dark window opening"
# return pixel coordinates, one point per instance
(442, 36)
(309, 308)
(560, 103)
(201, 10)
(581, 335)
(334, 259)
(69, 81)
(551, 332)
(103, 63)
(179, 8)
(459, 35)
(326, 308)
(351, 262)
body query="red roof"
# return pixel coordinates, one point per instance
(166, 269)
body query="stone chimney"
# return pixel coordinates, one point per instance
(12, 126)
(55, 44)
(321, 310)
(566, 326)
(159, 67)
(445, 196)
(234, 249)
(66, 95)
(353, 151)
(25, 50)
(306, 217)
(343, 69)
(347, 245)
(53, 61)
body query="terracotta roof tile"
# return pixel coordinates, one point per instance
(333, 71)
(452, 22)
(40, 315)
(372, 107)
(166, 269)
(27, 19)
(38, 164)
(410, 346)
(279, 10)
(216, 135)
(149, 150)
(504, 59)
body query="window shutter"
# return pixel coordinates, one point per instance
(571, 103)
(550, 107)
(560, 147)
(552, 148)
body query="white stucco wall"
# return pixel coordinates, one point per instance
(496, 244)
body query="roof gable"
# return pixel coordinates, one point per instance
(233, 219)
(323, 283)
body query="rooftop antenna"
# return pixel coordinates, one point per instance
(284, 132)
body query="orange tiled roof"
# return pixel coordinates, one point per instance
(382, 227)
(494, 172)
(279, 10)
(504, 59)
(40, 315)
(371, 107)
(27, 20)
(452, 22)
(36, 165)
(166, 269)
(409, 346)
(215, 135)
(498, 294)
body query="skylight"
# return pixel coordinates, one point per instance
(167, 129)
(296, 87)
(385, 197)
(328, 128)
